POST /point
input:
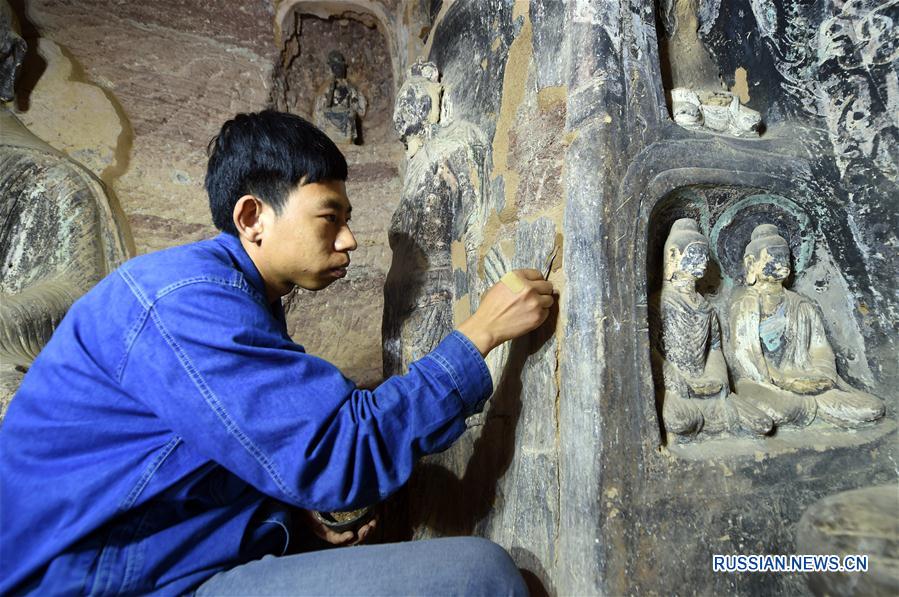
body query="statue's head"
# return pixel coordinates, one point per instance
(686, 250)
(767, 256)
(417, 106)
(337, 63)
(12, 52)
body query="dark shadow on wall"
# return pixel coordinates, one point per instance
(447, 505)
(33, 66)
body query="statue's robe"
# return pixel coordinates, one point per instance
(686, 335)
(442, 198)
(686, 331)
(793, 342)
(58, 237)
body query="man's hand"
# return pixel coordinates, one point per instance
(517, 304)
(324, 532)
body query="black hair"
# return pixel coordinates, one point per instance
(266, 154)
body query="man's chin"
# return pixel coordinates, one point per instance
(318, 284)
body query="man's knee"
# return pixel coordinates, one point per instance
(488, 568)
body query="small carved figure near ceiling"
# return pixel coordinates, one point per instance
(783, 361)
(58, 234)
(687, 346)
(340, 108)
(715, 112)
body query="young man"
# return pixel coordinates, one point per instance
(170, 428)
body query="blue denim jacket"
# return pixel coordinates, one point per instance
(164, 430)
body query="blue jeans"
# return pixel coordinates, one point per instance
(451, 566)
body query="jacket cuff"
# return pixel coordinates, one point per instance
(466, 367)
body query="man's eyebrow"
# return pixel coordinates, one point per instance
(335, 204)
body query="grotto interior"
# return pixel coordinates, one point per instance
(718, 182)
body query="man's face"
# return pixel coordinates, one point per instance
(308, 244)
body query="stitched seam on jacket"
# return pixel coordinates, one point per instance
(219, 410)
(134, 557)
(135, 289)
(197, 279)
(475, 353)
(449, 369)
(148, 473)
(130, 338)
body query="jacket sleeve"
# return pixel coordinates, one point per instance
(212, 363)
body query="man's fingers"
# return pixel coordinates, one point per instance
(542, 286)
(340, 538)
(366, 530)
(546, 300)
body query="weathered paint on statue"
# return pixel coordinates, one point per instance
(441, 203)
(58, 234)
(687, 344)
(783, 361)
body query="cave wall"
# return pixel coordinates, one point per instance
(568, 104)
(135, 91)
(568, 466)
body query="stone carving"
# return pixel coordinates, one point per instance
(340, 107)
(441, 203)
(714, 111)
(862, 521)
(782, 359)
(687, 345)
(855, 70)
(417, 110)
(59, 235)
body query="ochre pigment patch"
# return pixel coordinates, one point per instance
(550, 97)
(461, 309)
(457, 255)
(514, 82)
(741, 85)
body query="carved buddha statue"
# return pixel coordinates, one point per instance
(687, 345)
(781, 357)
(340, 106)
(441, 203)
(58, 234)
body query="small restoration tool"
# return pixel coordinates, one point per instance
(549, 263)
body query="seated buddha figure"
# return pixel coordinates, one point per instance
(782, 360)
(687, 345)
(340, 106)
(59, 234)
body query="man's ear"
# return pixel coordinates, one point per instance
(247, 218)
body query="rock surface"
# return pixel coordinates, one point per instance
(568, 467)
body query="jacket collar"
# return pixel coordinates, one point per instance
(232, 244)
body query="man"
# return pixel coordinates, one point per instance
(169, 430)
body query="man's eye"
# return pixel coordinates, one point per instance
(331, 218)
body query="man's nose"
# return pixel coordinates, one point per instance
(346, 240)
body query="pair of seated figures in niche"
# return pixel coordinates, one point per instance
(783, 366)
